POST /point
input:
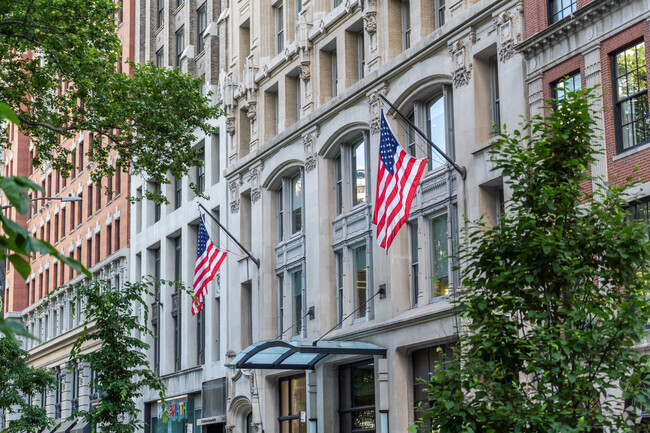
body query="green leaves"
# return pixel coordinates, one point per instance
(554, 299)
(147, 120)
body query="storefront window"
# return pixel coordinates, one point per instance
(357, 397)
(293, 400)
(180, 412)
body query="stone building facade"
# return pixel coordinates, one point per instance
(333, 332)
(188, 351)
(93, 230)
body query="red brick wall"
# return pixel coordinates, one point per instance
(619, 170)
(535, 19)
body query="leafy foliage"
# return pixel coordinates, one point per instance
(554, 298)
(17, 380)
(121, 362)
(67, 83)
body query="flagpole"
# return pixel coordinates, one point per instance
(256, 261)
(459, 169)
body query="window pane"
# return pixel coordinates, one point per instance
(296, 283)
(280, 216)
(298, 395)
(440, 271)
(296, 204)
(436, 129)
(359, 280)
(359, 174)
(363, 385)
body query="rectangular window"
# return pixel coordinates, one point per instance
(81, 155)
(156, 314)
(160, 58)
(297, 300)
(98, 246)
(202, 24)
(440, 13)
(339, 285)
(90, 200)
(98, 195)
(360, 283)
(335, 74)
(338, 185)
(200, 172)
(89, 252)
(280, 216)
(336, 3)
(48, 228)
(494, 94)
(80, 211)
(425, 361)
(359, 173)
(560, 88)
(357, 397)
(410, 136)
(109, 243)
(361, 55)
(178, 192)
(180, 46)
(296, 204)
(73, 160)
(630, 91)
(281, 305)
(57, 230)
(157, 205)
(118, 180)
(279, 28)
(117, 235)
(439, 261)
(176, 304)
(558, 9)
(406, 24)
(415, 263)
(293, 400)
(161, 13)
(437, 130)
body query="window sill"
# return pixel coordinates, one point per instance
(631, 151)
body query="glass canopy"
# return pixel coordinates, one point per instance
(299, 355)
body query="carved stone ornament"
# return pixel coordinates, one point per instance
(461, 67)
(311, 159)
(230, 125)
(375, 109)
(256, 189)
(304, 70)
(234, 196)
(230, 428)
(251, 110)
(370, 19)
(507, 26)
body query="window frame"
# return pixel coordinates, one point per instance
(346, 376)
(555, 86)
(554, 17)
(161, 13)
(278, 15)
(290, 393)
(180, 46)
(617, 103)
(405, 17)
(202, 25)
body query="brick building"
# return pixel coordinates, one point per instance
(93, 230)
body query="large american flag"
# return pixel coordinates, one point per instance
(397, 179)
(208, 260)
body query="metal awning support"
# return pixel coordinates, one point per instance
(299, 355)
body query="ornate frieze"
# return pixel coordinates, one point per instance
(461, 62)
(255, 177)
(508, 25)
(309, 141)
(233, 186)
(375, 108)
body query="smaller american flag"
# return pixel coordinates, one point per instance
(208, 260)
(397, 179)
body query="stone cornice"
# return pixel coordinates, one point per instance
(583, 17)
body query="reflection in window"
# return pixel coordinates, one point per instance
(559, 9)
(436, 130)
(566, 85)
(296, 294)
(357, 397)
(439, 265)
(296, 204)
(359, 173)
(338, 186)
(425, 362)
(631, 97)
(360, 284)
(293, 400)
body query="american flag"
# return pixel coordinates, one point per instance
(397, 179)
(208, 260)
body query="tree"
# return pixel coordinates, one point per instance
(121, 366)
(17, 381)
(58, 69)
(554, 298)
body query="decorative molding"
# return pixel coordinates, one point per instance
(509, 32)
(255, 176)
(230, 125)
(309, 142)
(370, 20)
(375, 107)
(304, 67)
(234, 196)
(461, 63)
(251, 110)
